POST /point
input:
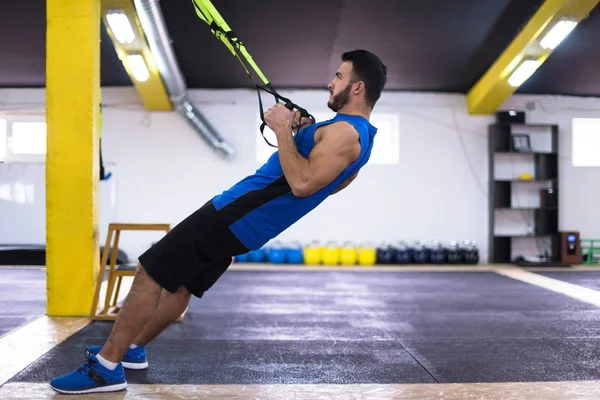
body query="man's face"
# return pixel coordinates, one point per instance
(340, 87)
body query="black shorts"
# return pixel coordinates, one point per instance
(194, 254)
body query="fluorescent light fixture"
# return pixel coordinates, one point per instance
(557, 34)
(138, 67)
(120, 26)
(523, 72)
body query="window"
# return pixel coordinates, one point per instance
(3, 141)
(586, 142)
(22, 138)
(28, 138)
(386, 150)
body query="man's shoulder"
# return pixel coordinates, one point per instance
(338, 129)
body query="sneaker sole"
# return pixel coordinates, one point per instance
(129, 365)
(111, 388)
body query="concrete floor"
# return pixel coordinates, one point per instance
(449, 328)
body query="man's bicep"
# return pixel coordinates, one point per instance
(334, 153)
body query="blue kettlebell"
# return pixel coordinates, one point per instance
(258, 255)
(243, 258)
(295, 255)
(277, 255)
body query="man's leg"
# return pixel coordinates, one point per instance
(139, 305)
(183, 257)
(103, 372)
(170, 307)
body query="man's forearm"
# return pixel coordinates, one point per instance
(295, 166)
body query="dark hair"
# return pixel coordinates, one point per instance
(367, 67)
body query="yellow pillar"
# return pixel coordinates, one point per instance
(72, 163)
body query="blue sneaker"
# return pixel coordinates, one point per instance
(91, 377)
(134, 358)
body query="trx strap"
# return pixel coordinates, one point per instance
(209, 14)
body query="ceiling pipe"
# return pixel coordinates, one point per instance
(155, 29)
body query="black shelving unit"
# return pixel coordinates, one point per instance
(545, 166)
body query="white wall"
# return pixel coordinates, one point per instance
(579, 190)
(437, 191)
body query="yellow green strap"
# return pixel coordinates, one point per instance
(209, 14)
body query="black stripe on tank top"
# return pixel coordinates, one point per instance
(254, 199)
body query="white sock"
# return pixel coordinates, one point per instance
(106, 364)
(133, 346)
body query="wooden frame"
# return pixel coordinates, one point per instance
(110, 310)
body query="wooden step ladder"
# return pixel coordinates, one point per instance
(110, 311)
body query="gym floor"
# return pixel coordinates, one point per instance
(321, 332)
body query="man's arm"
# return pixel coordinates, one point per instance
(339, 147)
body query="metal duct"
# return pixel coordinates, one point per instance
(155, 30)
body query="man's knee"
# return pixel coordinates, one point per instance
(183, 292)
(143, 277)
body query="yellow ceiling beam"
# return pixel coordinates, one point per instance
(494, 88)
(135, 54)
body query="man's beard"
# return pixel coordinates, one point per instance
(341, 99)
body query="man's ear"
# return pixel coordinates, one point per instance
(358, 87)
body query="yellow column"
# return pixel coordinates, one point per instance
(72, 163)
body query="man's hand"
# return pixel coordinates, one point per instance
(279, 119)
(304, 122)
(282, 121)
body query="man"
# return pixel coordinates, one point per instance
(320, 160)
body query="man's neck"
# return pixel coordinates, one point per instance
(353, 110)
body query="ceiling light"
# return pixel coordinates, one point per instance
(523, 72)
(557, 34)
(139, 70)
(120, 26)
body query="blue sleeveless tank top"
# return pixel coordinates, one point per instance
(261, 206)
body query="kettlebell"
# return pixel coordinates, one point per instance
(404, 253)
(331, 254)
(385, 254)
(276, 255)
(295, 254)
(348, 254)
(470, 252)
(313, 254)
(437, 255)
(453, 252)
(259, 255)
(421, 253)
(242, 258)
(367, 255)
